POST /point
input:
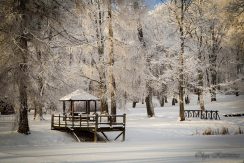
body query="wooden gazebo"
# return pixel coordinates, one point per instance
(86, 119)
(79, 96)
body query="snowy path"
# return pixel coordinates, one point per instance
(171, 150)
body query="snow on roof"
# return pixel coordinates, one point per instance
(79, 95)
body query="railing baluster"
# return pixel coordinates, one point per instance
(96, 127)
(110, 119)
(52, 122)
(59, 120)
(80, 120)
(124, 121)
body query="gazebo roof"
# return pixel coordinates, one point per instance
(79, 95)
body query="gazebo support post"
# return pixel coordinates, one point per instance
(64, 111)
(72, 112)
(88, 107)
(95, 106)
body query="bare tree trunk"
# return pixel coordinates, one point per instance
(166, 99)
(103, 99)
(240, 51)
(111, 62)
(101, 67)
(40, 91)
(181, 60)
(22, 51)
(173, 101)
(23, 114)
(38, 114)
(212, 59)
(149, 103)
(200, 57)
(134, 104)
(200, 90)
(113, 100)
(161, 99)
(34, 116)
(148, 100)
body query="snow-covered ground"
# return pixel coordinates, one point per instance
(159, 139)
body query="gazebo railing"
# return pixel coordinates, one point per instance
(86, 120)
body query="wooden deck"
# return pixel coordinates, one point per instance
(93, 123)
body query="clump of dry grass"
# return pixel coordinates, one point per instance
(222, 131)
(208, 131)
(239, 131)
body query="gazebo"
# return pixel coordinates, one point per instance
(83, 120)
(76, 97)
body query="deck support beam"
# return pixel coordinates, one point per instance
(105, 135)
(96, 126)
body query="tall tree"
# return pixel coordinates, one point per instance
(217, 29)
(99, 18)
(179, 10)
(198, 32)
(181, 60)
(235, 16)
(112, 84)
(22, 50)
(94, 59)
(148, 99)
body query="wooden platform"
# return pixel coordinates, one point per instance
(93, 123)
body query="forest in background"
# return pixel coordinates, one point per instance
(119, 51)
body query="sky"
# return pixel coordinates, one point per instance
(152, 3)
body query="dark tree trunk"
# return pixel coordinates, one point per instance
(142, 101)
(148, 100)
(187, 100)
(22, 51)
(149, 103)
(104, 106)
(23, 114)
(166, 99)
(212, 60)
(161, 100)
(113, 101)
(134, 104)
(173, 101)
(240, 51)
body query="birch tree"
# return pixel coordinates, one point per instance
(179, 10)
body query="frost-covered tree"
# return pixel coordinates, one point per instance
(94, 68)
(26, 24)
(148, 58)
(179, 10)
